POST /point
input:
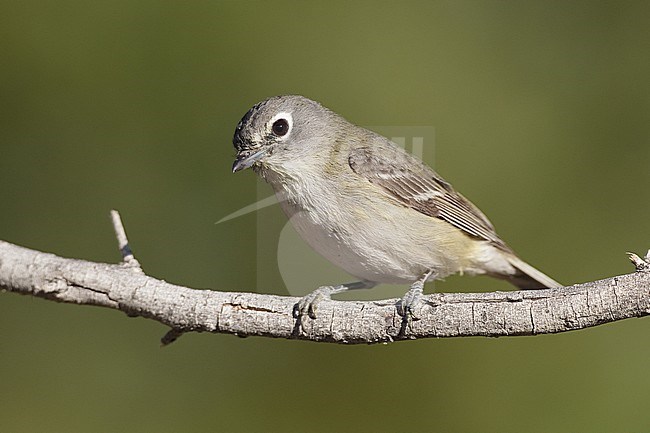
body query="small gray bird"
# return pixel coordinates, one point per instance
(367, 205)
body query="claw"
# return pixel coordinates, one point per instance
(308, 305)
(412, 298)
(408, 303)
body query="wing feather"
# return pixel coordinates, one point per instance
(417, 186)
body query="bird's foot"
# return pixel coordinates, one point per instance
(308, 304)
(412, 299)
(407, 305)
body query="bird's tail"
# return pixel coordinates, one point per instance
(527, 277)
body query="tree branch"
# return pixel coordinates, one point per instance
(126, 288)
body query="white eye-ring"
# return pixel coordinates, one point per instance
(281, 124)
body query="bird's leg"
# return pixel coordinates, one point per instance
(411, 298)
(308, 304)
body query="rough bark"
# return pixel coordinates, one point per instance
(126, 288)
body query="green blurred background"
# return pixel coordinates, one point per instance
(542, 118)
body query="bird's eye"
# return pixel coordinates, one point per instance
(280, 127)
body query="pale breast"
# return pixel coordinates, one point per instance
(368, 235)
